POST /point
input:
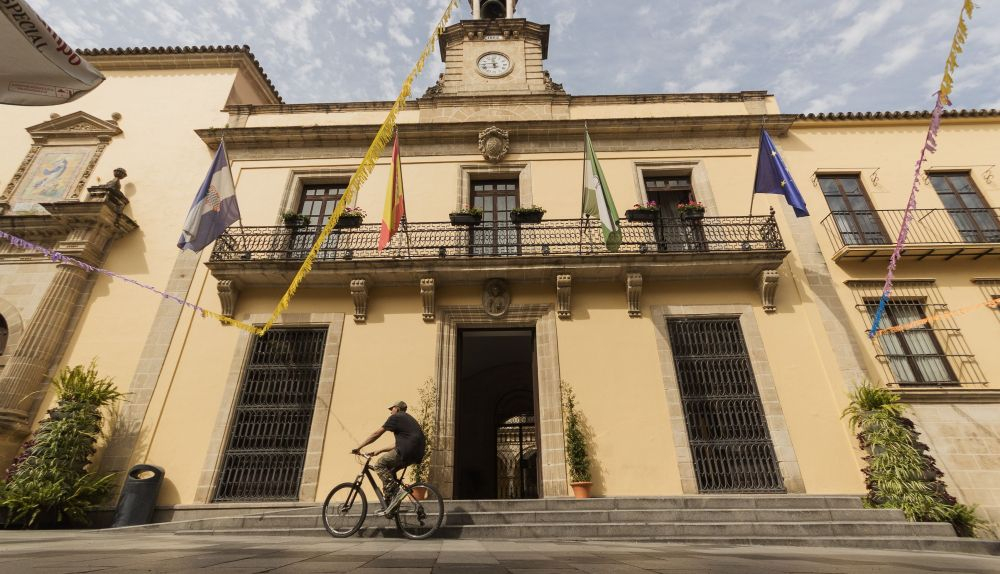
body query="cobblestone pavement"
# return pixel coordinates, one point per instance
(65, 552)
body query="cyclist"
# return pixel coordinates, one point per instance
(409, 447)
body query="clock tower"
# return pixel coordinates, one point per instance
(494, 54)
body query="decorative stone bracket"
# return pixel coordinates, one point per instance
(633, 288)
(563, 286)
(768, 281)
(359, 291)
(427, 296)
(229, 293)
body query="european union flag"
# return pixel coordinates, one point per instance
(773, 177)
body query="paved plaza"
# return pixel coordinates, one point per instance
(64, 552)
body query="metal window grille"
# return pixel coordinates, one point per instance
(269, 431)
(727, 431)
(931, 354)
(991, 291)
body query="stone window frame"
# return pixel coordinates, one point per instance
(552, 446)
(291, 200)
(784, 450)
(309, 486)
(469, 172)
(701, 187)
(15, 329)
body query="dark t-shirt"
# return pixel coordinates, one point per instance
(410, 441)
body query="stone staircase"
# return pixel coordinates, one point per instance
(788, 520)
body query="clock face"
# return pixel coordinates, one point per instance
(494, 64)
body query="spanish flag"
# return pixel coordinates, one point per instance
(395, 208)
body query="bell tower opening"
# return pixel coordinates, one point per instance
(492, 9)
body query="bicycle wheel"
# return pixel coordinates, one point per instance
(419, 517)
(344, 510)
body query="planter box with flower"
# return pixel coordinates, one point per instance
(294, 219)
(648, 211)
(467, 216)
(692, 210)
(351, 218)
(528, 214)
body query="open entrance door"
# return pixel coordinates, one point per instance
(496, 431)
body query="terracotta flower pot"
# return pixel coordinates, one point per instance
(581, 489)
(419, 492)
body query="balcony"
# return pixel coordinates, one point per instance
(933, 233)
(665, 249)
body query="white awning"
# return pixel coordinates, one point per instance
(37, 68)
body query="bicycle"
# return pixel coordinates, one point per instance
(417, 508)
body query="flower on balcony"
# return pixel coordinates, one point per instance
(690, 206)
(295, 219)
(468, 211)
(648, 206)
(528, 209)
(354, 212)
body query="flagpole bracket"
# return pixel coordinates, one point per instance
(563, 287)
(359, 292)
(768, 282)
(633, 289)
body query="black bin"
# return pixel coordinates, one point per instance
(138, 498)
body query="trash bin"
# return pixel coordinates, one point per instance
(138, 497)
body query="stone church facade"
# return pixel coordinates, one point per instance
(708, 354)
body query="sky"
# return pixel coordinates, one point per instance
(813, 55)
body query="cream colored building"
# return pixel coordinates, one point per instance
(708, 355)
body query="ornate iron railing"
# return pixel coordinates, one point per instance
(551, 237)
(929, 226)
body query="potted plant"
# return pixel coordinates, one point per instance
(576, 446)
(294, 219)
(648, 211)
(427, 418)
(527, 214)
(692, 210)
(352, 217)
(466, 216)
(48, 483)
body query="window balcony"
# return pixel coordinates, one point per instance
(667, 248)
(934, 233)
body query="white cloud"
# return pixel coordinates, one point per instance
(711, 86)
(865, 24)
(899, 56)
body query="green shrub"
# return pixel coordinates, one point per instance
(576, 443)
(427, 418)
(900, 473)
(49, 478)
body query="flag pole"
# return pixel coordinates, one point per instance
(753, 194)
(402, 221)
(583, 194)
(243, 233)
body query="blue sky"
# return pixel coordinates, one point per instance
(814, 55)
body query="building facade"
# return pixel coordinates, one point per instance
(708, 354)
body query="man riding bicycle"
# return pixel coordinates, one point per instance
(409, 447)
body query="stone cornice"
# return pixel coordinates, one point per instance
(634, 132)
(506, 27)
(187, 57)
(949, 396)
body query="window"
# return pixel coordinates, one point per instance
(976, 221)
(269, 431)
(852, 212)
(3, 334)
(496, 235)
(318, 201)
(667, 191)
(914, 355)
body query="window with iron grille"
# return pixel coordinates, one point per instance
(857, 222)
(928, 349)
(3, 334)
(975, 220)
(730, 443)
(496, 235)
(318, 202)
(269, 431)
(991, 291)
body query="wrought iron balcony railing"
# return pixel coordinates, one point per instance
(557, 237)
(945, 227)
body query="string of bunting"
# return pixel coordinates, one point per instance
(58, 257)
(929, 147)
(382, 139)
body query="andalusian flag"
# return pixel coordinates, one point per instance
(597, 202)
(395, 208)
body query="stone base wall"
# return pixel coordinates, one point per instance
(964, 439)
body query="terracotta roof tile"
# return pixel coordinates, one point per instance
(888, 115)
